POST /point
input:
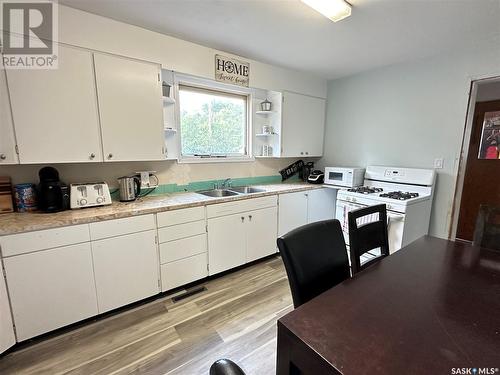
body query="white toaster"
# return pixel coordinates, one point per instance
(89, 195)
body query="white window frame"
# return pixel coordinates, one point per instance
(210, 85)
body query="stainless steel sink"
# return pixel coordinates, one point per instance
(246, 189)
(218, 193)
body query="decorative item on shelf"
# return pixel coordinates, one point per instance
(266, 105)
(267, 150)
(292, 169)
(6, 204)
(165, 88)
(267, 129)
(25, 196)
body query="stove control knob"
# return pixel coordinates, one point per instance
(83, 202)
(388, 206)
(354, 200)
(99, 199)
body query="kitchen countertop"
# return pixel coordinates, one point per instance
(26, 222)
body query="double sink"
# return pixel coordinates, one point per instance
(231, 191)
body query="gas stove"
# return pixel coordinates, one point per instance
(399, 195)
(407, 194)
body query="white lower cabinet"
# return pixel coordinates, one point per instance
(226, 242)
(126, 269)
(300, 208)
(183, 247)
(262, 228)
(7, 337)
(241, 237)
(51, 288)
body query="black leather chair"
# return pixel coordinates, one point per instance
(487, 230)
(367, 236)
(315, 259)
(225, 367)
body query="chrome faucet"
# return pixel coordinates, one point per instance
(226, 183)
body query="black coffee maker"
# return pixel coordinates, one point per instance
(53, 195)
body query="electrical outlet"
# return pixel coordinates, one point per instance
(438, 163)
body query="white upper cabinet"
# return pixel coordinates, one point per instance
(7, 140)
(303, 125)
(55, 111)
(130, 107)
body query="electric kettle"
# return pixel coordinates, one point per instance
(130, 188)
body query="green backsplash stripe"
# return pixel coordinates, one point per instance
(205, 185)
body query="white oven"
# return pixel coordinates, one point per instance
(346, 177)
(395, 224)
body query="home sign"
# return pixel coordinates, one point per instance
(230, 70)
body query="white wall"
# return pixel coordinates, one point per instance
(91, 31)
(407, 115)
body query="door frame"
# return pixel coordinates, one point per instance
(464, 153)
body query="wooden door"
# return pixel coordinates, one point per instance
(292, 211)
(55, 111)
(321, 204)
(130, 108)
(303, 125)
(126, 269)
(482, 176)
(7, 140)
(50, 289)
(262, 231)
(226, 242)
(7, 338)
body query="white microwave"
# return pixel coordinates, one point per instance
(346, 177)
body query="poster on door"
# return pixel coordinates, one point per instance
(490, 136)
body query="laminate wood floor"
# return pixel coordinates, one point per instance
(234, 318)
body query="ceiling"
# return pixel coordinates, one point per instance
(290, 34)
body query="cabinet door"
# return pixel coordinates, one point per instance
(55, 111)
(7, 140)
(262, 232)
(226, 242)
(130, 107)
(126, 269)
(7, 338)
(321, 204)
(303, 125)
(292, 211)
(50, 289)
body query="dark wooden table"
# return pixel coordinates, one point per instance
(427, 309)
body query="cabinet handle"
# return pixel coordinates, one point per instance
(301, 153)
(92, 155)
(110, 156)
(307, 153)
(3, 156)
(242, 219)
(250, 217)
(306, 195)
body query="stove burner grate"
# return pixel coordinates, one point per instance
(365, 190)
(399, 195)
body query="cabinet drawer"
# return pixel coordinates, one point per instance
(118, 227)
(176, 232)
(16, 244)
(181, 216)
(241, 206)
(183, 271)
(183, 248)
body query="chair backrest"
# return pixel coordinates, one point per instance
(367, 231)
(487, 231)
(315, 258)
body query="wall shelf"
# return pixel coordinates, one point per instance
(169, 129)
(265, 134)
(265, 113)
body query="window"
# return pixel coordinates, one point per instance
(212, 123)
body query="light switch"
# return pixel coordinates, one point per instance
(438, 163)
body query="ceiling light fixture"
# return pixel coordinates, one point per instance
(335, 10)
